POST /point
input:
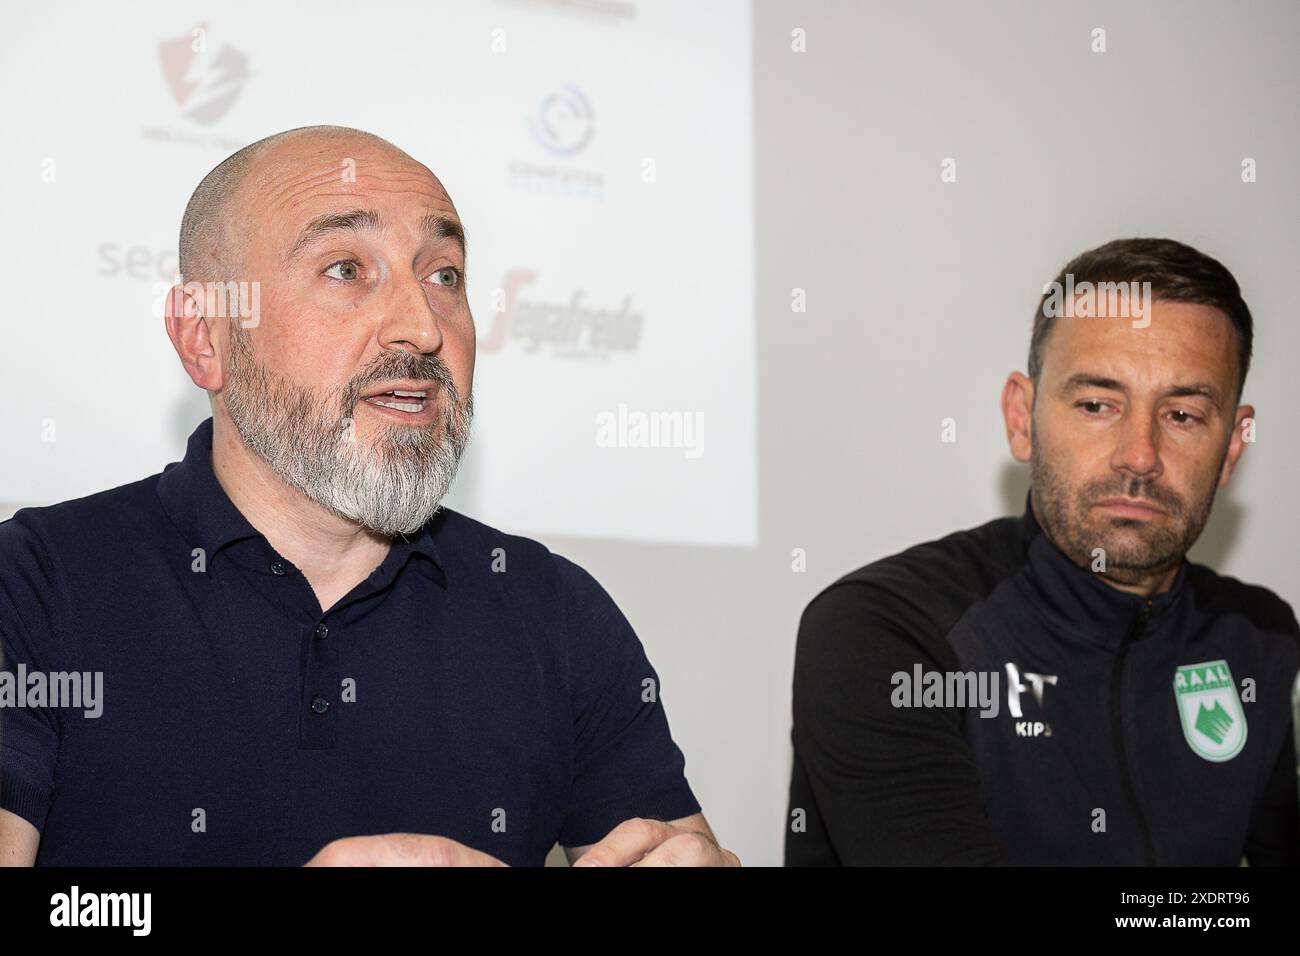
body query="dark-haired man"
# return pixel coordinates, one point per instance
(1140, 707)
(304, 656)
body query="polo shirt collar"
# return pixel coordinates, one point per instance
(205, 515)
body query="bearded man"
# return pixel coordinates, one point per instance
(305, 658)
(1141, 713)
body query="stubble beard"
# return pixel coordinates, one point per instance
(1135, 550)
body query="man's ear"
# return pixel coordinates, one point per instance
(192, 338)
(1243, 433)
(1018, 413)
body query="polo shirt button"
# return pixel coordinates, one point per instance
(277, 568)
(320, 705)
(322, 630)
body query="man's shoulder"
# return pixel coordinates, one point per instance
(528, 580)
(1222, 594)
(927, 587)
(49, 552)
(469, 542)
(89, 522)
(969, 558)
(456, 531)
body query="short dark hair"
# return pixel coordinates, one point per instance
(1176, 271)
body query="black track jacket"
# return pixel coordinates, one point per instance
(1127, 731)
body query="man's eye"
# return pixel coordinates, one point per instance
(347, 269)
(448, 276)
(1092, 406)
(1183, 417)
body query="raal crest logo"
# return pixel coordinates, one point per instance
(1214, 724)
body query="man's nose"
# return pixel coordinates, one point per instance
(410, 320)
(1138, 450)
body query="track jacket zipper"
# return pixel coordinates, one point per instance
(1117, 721)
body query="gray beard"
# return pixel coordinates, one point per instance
(392, 487)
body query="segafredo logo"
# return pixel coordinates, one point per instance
(1213, 721)
(567, 329)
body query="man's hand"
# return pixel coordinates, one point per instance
(639, 842)
(400, 849)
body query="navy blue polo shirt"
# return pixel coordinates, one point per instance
(474, 686)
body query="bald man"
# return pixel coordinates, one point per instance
(302, 656)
